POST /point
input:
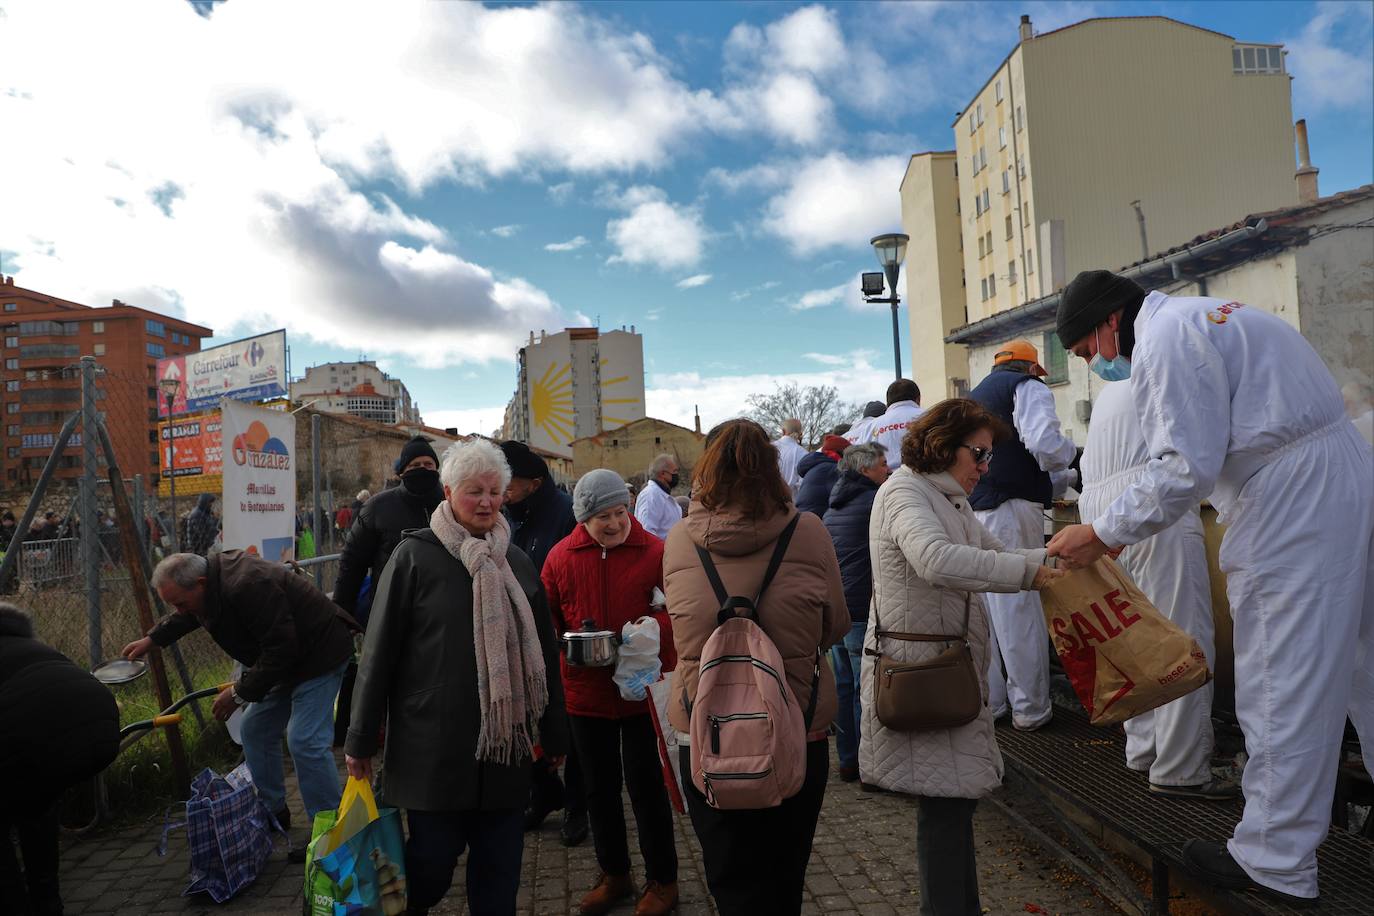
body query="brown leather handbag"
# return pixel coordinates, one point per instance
(941, 692)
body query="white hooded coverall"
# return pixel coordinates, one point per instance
(1174, 742)
(1235, 403)
(789, 453)
(1019, 638)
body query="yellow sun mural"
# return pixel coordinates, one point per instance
(607, 403)
(551, 403)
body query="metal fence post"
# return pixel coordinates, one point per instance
(90, 531)
(315, 486)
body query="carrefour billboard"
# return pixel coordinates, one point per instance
(246, 370)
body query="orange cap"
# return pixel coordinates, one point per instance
(1022, 350)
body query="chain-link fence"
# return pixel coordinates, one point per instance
(71, 564)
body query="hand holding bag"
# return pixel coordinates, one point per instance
(940, 692)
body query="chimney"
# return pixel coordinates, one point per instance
(1026, 33)
(696, 410)
(1307, 173)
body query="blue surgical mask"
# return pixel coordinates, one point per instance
(1115, 369)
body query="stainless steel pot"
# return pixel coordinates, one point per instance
(590, 647)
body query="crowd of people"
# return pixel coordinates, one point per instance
(888, 541)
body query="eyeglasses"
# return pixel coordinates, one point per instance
(980, 454)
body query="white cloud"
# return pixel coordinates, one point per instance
(506, 232)
(694, 281)
(672, 396)
(571, 244)
(655, 231)
(819, 297)
(1332, 60)
(834, 200)
(562, 192)
(741, 295)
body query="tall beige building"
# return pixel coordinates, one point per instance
(935, 279)
(1088, 141)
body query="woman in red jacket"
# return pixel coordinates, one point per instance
(606, 572)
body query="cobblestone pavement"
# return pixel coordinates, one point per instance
(863, 861)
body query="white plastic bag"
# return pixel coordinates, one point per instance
(637, 664)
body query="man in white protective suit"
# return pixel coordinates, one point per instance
(1174, 742)
(903, 408)
(1234, 403)
(790, 452)
(1010, 501)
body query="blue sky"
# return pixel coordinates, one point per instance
(389, 180)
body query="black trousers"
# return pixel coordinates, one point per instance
(944, 855)
(603, 745)
(756, 860)
(34, 889)
(546, 789)
(495, 844)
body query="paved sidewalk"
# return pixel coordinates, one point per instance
(863, 861)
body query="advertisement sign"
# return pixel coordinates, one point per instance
(259, 481)
(192, 446)
(245, 370)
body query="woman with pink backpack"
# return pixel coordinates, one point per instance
(755, 598)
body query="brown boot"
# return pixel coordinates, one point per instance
(658, 900)
(609, 890)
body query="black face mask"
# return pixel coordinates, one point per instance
(420, 481)
(673, 481)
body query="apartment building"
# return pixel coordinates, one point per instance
(44, 339)
(1094, 145)
(358, 389)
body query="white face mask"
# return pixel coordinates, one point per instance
(1116, 369)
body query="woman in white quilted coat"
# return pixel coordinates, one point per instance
(930, 556)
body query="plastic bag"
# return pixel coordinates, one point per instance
(356, 858)
(670, 741)
(637, 663)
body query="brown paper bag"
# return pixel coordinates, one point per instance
(1122, 655)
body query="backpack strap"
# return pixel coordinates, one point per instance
(729, 605)
(815, 691)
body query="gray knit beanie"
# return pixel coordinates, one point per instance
(598, 491)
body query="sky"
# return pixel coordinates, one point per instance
(425, 184)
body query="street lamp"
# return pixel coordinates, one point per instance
(169, 388)
(891, 251)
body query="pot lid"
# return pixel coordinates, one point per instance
(588, 631)
(120, 671)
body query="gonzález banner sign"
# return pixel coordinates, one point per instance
(246, 370)
(259, 481)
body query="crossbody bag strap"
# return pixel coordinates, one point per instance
(927, 637)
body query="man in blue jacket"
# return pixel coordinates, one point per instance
(862, 469)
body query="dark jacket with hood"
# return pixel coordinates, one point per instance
(540, 521)
(818, 471)
(851, 504)
(418, 675)
(277, 623)
(58, 724)
(375, 533)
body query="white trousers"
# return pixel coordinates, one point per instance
(1297, 554)
(1174, 742)
(1018, 636)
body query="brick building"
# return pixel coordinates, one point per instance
(630, 449)
(44, 339)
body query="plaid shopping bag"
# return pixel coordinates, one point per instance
(228, 829)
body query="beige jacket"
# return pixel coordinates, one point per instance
(802, 610)
(929, 555)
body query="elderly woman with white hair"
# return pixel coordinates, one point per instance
(461, 662)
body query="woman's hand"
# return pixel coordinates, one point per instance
(1045, 575)
(359, 767)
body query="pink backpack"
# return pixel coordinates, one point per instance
(748, 734)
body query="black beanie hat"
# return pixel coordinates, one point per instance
(1089, 299)
(417, 447)
(523, 462)
(874, 409)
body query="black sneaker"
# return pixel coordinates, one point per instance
(1212, 862)
(574, 829)
(1211, 790)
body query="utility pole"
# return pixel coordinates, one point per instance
(1144, 242)
(89, 542)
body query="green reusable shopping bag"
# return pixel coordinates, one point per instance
(355, 863)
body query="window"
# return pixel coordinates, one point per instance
(657, 440)
(12, 451)
(99, 349)
(12, 385)
(988, 238)
(13, 429)
(11, 363)
(1006, 181)
(1021, 164)
(156, 328)
(1001, 138)
(1056, 359)
(987, 205)
(11, 341)
(1256, 59)
(999, 91)
(982, 157)
(985, 289)
(992, 285)
(1009, 225)
(1030, 261)
(980, 113)
(1020, 121)
(152, 394)
(155, 349)
(49, 351)
(12, 407)
(97, 327)
(963, 278)
(977, 205)
(981, 252)
(1025, 215)
(1011, 272)
(972, 124)
(11, 306)
(71, 328)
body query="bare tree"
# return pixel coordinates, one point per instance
(818, 407)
